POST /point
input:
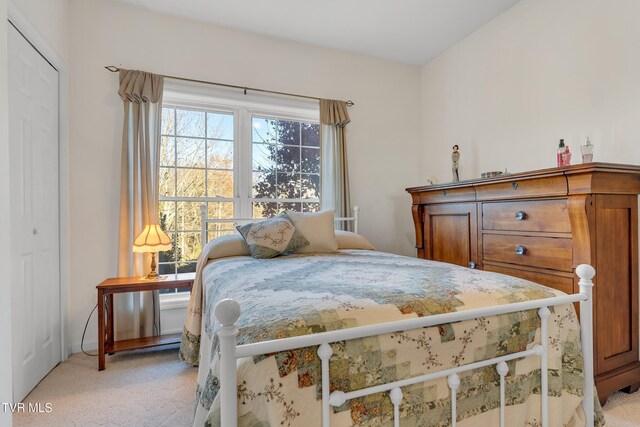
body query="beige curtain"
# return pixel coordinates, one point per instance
(334, 184)
(138, 315)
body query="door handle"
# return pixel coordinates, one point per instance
(473, 265)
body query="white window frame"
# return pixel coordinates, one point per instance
(243, 107)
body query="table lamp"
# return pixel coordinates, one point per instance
(152, 240)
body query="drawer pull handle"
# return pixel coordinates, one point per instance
(514, 185)
(521, 215)
(521, 250)
(473, 265)
(444, 192)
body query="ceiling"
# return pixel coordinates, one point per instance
(406, 31)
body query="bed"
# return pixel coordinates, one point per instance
(365, 338)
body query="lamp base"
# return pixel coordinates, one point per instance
(156, 277)
(153, 274)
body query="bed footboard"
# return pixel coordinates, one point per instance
(227, 313)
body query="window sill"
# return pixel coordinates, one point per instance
(174, 301)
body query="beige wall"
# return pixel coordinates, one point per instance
(543, 70)
(382, 137)
(6, 381)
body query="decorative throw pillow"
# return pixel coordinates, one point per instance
(318, 228)
(271, 237)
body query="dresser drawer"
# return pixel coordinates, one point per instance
(538, 215)
(561, 283)
(524, 188)
(544, 252)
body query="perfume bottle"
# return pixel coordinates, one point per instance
(587, 151)
(563, 154)
(560, 153)
(566, 156)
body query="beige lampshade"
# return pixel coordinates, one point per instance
(152, 239)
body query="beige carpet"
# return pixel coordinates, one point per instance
(153, 388)
(139, 388)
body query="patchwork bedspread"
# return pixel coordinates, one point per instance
(304, 294)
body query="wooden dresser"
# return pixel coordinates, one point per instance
(539, 226)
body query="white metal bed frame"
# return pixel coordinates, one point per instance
(227, 313)
(235, 221)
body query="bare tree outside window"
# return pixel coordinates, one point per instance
(198, 165)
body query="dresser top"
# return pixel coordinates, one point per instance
(584, 168)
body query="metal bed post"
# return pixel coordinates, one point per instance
(544, 314)
(227, 312)
(203, 224)
(356, 215)
(324, 353)
(586, 272)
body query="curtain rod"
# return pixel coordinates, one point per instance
(350, 103)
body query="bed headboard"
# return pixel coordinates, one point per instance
(204, 230)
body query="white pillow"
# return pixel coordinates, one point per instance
(318, 228)
(349, 240)
(225, 246)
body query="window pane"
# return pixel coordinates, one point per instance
(310, 186)
(265, 210)
(167, 151)
(220, 184)
(220, 210)
(167, 215)
(190, 183)
(219, 154)
(189, 217)
(264, 185)
(167, 182)
(311, 134)
(310, 160)
(264, 130)
(168, 124)
(190, 123)
(290, 206)
(288, 185)
(187, 267)
(172, 254)
(189, 244)
(288, 132)
(220, 126)
(166, 269)
(311, 207)
(288, 159)
(264, 157)
(217, 230)
(191, 152)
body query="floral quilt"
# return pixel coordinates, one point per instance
(304, 294)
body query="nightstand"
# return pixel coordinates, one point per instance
(106, 290)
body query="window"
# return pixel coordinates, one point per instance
(196, 167)
(241, 161)
(286, 166)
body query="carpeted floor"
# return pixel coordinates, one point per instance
(153, 388)
(139, 388)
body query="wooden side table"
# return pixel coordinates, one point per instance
(106, 290)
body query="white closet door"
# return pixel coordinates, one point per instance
(35, 239)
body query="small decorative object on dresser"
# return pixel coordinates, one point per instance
(587, 151)
(106, 289)
(455, 159)
(540, 226)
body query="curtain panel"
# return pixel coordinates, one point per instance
(141, 93)
(334, 180)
